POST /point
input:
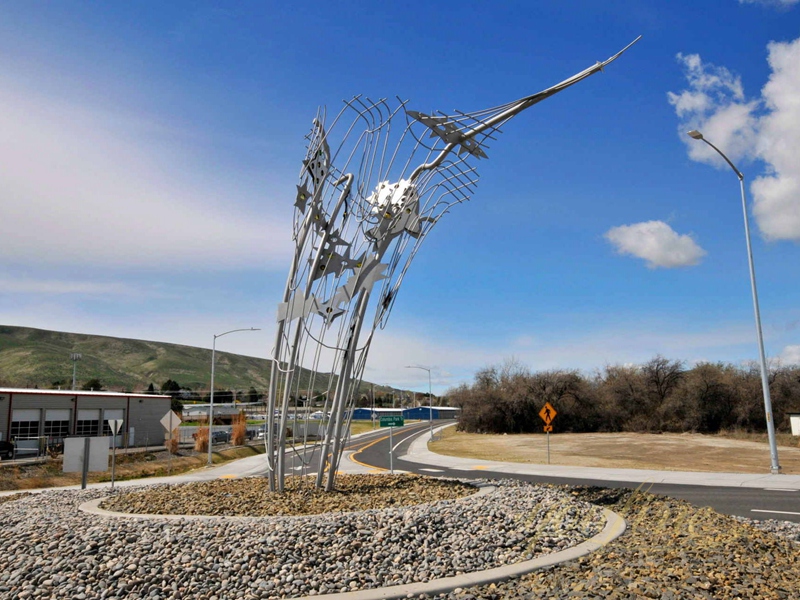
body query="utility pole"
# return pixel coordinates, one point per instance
(74, 357)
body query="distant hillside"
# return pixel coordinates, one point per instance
(40, 358)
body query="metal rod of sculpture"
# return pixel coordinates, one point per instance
(353, 229)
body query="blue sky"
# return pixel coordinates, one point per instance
(149, 153)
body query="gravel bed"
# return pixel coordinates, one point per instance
(251, 497)
(52, 550)
(671, 551)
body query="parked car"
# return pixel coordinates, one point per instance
(220, 437)
(6, 450)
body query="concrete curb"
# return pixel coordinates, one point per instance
(615, 527)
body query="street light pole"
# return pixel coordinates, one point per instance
(211, 405)
(775, 467)
(430, 397)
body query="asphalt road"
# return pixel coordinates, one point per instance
(741, 501)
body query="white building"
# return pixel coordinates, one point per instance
(27, 414)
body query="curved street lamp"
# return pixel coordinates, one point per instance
(430, 396)
(211, 405)
(773, 447)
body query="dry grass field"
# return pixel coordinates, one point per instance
(668, 452)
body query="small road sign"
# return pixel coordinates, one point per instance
(392, 421)
(170, 420)
(548, 428)
(548, 413)
(115, 425)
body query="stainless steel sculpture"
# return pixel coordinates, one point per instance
(364, 205)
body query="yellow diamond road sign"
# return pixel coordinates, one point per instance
(548, 413)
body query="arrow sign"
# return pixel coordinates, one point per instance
(548, 413)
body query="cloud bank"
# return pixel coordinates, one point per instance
(99, 186)
(777, 3)
(766, 129)
(790, 355)
(657, 243)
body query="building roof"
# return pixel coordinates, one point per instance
(9, 390)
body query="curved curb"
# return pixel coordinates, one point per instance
(615, 527)
(93, 507)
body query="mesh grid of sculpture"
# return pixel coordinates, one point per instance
(363, 207)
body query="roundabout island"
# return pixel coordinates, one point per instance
(235, 539)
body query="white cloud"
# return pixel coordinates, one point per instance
(767, 129)
(777, 194)
(57, 287)
(714, 104)
(88, 185)
(188, 326)
(452, 360)
(778, 3)
(634, 341)
(790, 355)
(657, 243)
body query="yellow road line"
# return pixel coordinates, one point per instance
(358, 462)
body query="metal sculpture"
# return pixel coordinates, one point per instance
(363, 208)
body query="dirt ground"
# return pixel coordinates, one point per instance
(136, 465)
(667, 452)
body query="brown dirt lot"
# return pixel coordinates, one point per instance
(666, 452)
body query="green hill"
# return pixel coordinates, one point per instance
(40, 358)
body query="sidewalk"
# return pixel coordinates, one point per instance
(418, 453)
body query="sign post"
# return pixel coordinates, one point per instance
(115, 425)
(391, 421)
(547, 414)
(167, 423)
(85, 465)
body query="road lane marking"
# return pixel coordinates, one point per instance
(353, 458)
(479, 468)
(775, 512)
(433, 470)
(228, 476)
(779, 490)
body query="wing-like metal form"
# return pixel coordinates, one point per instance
(374, 182)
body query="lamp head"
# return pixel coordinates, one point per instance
(695, 134)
